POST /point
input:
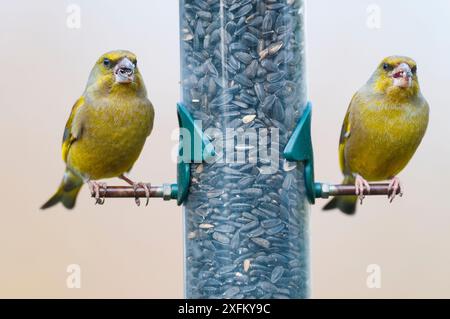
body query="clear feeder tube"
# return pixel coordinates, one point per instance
(246, 214)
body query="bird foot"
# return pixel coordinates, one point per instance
(95, 188)
(146, 188)
(136, 186)
(394, 188)
(360, 185)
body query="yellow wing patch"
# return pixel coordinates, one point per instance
(69, 135)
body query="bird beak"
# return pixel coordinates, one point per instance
(402, 76)
(124, 71)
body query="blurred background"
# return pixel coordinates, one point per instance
(126, 251)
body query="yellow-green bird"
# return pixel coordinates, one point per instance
(107, 128)
(385, 123)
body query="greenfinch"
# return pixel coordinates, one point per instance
(106, 129)
(385, 123)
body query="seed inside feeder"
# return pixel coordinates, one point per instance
(243, 68)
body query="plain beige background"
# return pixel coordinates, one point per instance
(125, 251)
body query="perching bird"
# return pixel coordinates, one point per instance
(107, 128)
(385, 123)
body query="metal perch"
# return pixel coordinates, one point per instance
(327, 190)
(168, 191)
(165, 191)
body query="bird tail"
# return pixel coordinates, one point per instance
(346, 204)
(67, 191)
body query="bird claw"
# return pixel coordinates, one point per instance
(136, 186)
(394, 188)
(95, 188)
(146, 188)
(360, 185)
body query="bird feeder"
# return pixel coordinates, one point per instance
(246, 169)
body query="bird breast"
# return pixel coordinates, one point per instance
(112, 138)
(383, 139)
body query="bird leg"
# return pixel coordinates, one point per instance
(95, 188)
(394, 187)
(136, 186)
(360, 185)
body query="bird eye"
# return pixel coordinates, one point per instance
(387, 67)
(414, 69)
(106, 62)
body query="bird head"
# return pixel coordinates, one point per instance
(396, 76)
(116, 72)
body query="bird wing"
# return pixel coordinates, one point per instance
(152, 117)
(72, 132)
(345, 134)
